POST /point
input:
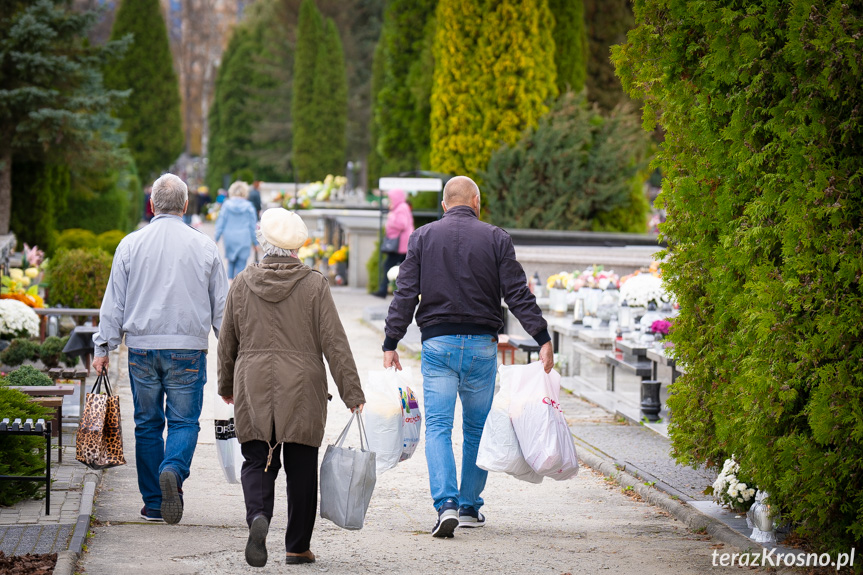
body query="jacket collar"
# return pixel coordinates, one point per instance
(460, 211)
(166, 216)
(268, 259)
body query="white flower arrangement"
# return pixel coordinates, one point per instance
(728, 489)
(17, 320)
(640, 290)
(393, 273)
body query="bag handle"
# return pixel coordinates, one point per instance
(344, 434)
(102, 379)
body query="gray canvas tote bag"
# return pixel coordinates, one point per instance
(347, 480)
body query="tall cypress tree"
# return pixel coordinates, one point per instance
(331, 90)
(570, 44)
(494, 74)
(607, 22)
(401, 112)
(151, 115)
(305, 111)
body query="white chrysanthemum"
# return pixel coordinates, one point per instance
(393, 273)
(640, 290)
(17, 319)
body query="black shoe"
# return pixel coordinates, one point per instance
(256, 546)
(151, 514)
(447, 520)
(379, 294)
(172, 497)
(470, 517)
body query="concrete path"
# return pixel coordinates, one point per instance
(582, 525)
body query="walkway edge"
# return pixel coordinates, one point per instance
(68, 560)
(687, 515)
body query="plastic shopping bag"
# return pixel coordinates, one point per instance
(498, 447)
(227, 445)
(539, 423)
(347, 480)
(412, 417)
(384, 418)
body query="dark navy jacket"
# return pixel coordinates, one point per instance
(462, 267)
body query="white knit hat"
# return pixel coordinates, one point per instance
(284, 229)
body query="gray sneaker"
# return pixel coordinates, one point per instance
(447, 520)
(470, 517)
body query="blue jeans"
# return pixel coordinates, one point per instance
(462, 365)
(166, 384)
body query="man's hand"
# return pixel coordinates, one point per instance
(546, 356)
(228, 399)
(357, 408)
(391, 358)
(100, 363)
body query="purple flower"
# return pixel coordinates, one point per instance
(661, 327)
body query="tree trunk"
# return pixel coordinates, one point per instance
(5, 188)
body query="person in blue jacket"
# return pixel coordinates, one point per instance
(236, 224)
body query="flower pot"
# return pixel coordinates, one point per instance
(650, 404)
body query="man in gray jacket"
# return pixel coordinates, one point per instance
(167, 287)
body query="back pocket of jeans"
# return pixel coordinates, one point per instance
(186, 367)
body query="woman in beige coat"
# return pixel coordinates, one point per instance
(280, 320)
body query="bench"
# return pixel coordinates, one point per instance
(72, 374)
(16, 427)
(49, 396)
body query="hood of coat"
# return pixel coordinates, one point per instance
(397, 198)
(237, 205)
(275, 278)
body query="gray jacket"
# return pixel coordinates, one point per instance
(167, 287)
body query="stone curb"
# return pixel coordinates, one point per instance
(687, 515)
(68, 560)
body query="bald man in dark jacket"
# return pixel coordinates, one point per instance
(462, 267)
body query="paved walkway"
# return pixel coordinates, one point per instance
(581, 525)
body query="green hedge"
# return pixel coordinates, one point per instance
(77, 278)
(762, 160)
(20, 454)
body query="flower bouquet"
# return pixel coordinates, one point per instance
(339, 256)
(22, 285)
(17, 320)
(732, 489)
(640, 289)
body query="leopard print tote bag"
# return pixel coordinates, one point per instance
(99, 442)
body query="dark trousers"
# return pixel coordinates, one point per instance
(259, 488)
(390, 262)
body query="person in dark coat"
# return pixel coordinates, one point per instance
(462, 267)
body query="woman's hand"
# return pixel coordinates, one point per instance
(228, 399)
(357, 408)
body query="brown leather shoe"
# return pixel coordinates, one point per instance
(297, 558)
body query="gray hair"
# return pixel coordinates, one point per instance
(271, 250)
(238, 190)
(169, 195)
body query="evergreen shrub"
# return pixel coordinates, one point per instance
(77, 278)
(762, 162)
(109, 240)
(373, 267)
(21, 454)
(76, 238)
(572, 172)
(51, 351)
(28, 376)
(19, 351)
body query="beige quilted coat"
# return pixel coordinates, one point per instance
(280, 321)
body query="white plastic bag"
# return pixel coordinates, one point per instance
(539, 423)
(384, 419)
(412, 419)
(227, 446)
(498, 447)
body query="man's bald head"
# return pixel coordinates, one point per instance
(460, 191)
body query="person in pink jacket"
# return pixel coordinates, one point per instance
(400, 224)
